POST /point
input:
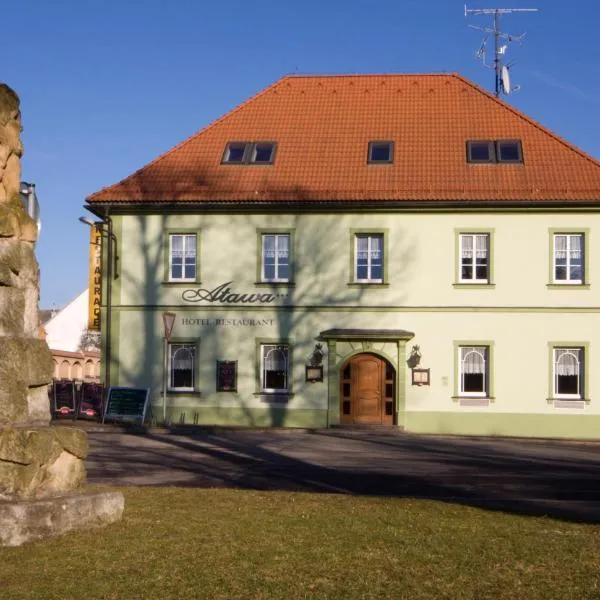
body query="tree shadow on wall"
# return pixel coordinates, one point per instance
(319, 296)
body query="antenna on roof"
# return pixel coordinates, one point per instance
(501, 68)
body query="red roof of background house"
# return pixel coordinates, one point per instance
(322, 126)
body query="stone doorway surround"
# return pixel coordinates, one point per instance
(387, 344)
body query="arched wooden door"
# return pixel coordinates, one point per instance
(367, 391)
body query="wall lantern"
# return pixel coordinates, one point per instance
(414, 359)
(314, 367)
(420, 376)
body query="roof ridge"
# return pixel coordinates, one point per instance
(531, 121)
(363, 75)
(235, 109)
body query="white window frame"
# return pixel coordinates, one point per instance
(265, 351)
(173, 349)
(463, 353)
(278, 237)
(577, 353)
(369, 237)
(185, 255)
(473, 261)
(569, 250)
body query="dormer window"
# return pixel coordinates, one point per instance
(381, 152)
(263, 153)
(509, 151)
(490, 151)
(480, 152)
(235, 152)
(249, 153)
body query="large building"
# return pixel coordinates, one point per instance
(402, 250)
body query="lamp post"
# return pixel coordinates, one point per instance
(168, 322)
(106, 230)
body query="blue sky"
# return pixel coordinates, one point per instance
(108, 85)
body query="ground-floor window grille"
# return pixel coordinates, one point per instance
(568, 373)
(474, 371)
(182, 371)
(274, 368)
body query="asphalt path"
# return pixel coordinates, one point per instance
(534, 477)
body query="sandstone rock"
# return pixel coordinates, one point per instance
(38, 404)
(24, 363)
(12, 308)
(13, 394)
(67, 472)
(39, 362)
(15, 447)
(72, 440)
(9, 224)
(31, 316)
(35, 462)
(39, 462)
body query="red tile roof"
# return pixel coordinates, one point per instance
(322, 126)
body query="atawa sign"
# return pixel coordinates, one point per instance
(222, 294)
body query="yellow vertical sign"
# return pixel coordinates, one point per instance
(95, 278)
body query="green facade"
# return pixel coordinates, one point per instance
(517, 317)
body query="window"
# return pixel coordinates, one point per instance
(381, 152)
(263, 153)
(509, 151)
(274, 368)
(89, 369)
(182, 371)
(182, 257)
(474, 258)
(568, 258)
(473, 371)
(235, 152)
(275, 257)
(480, 152)
(568, 373)
(368, 258)
(499, 151)
(244, 153)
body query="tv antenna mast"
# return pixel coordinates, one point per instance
(500, 66)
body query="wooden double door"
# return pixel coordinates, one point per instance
(367, 391)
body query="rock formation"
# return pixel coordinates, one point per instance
(37, 461)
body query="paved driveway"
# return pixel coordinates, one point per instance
(560, 479)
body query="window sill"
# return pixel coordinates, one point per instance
(474, 400)
(476, 285)
(179, 283)
(275, 283)
(274, 397)
(375, 284)
(183, 393)
(579, 403)
(568, 286)
(551, 400)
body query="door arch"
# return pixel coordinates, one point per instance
(367, 391)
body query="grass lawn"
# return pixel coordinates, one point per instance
(199, 543)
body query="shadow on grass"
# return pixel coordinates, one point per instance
(552, 479)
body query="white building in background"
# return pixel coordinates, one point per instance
(63, 335)
(64, 329)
